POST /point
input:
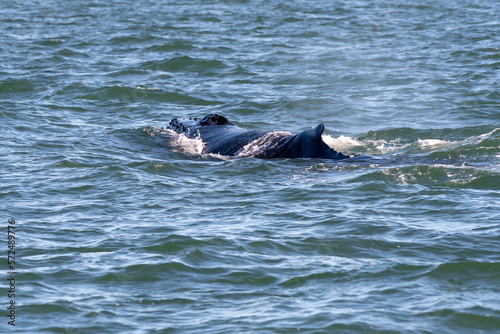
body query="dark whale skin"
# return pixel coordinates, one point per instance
(223, 137)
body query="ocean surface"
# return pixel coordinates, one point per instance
(122, 227)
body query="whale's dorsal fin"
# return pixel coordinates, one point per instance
(319, 130)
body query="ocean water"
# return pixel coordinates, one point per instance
(119, 229)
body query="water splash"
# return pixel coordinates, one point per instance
(178, 141)
(193, 146)
(342, 143)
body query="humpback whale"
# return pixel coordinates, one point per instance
(223, 137)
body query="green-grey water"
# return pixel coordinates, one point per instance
(122, 227)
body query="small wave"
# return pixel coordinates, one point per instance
(184, 63)
(489, 139)
(437, 175)
(487, 180)
(71, 53)
(18, 88)
(243, 277)
(134, 94)
(477, 148)
(128, 40)
(470, 271)
(297, 281)
(448, 142)
(135, 272)
(57, 306)
(433, 143)
(126, 72)
(172, 46)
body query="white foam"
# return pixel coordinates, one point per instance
(184, 144)
(433, 143)
(156, 89)
(489, 134)
(341, 143)
(346, 144)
